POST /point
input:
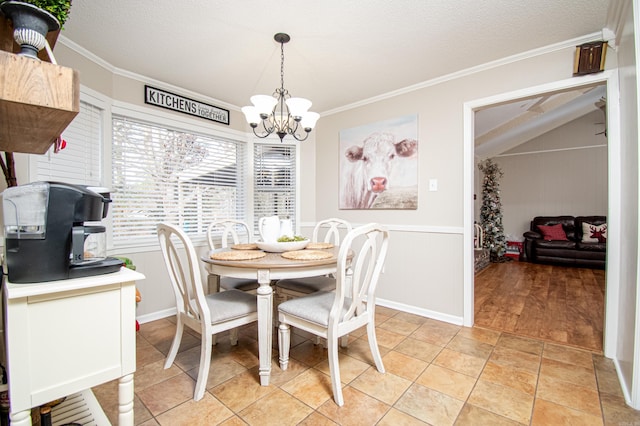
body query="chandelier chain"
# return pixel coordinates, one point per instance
(282, 65)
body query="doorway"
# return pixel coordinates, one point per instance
(612, 272)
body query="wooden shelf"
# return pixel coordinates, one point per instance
(38, 100)
(82, 408)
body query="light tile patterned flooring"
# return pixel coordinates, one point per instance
(436, 374)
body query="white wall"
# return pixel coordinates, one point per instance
(424, 271)
(563, 172)
(425, 263)
(119, 85)
(626, 356)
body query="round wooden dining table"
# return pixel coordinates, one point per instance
(266, 269)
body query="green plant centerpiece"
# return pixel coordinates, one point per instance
(287, 239)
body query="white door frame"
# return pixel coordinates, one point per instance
(610, 78)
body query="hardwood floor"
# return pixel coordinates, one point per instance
(553, 303)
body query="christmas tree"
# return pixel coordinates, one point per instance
(491, 211)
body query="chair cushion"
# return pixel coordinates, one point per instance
(308, 285)
(230, 304)
(313, 308)
(241, 284)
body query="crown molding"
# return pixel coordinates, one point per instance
(141, 78)
(428, 83)
(572, 43)
(612, 31)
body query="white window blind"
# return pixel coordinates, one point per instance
(81, 161)
(275, 181)
(162, 174)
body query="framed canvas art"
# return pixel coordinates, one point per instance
(379, 165)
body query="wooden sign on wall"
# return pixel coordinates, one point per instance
(168, 100)
(590, 58)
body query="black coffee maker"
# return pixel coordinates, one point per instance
(46, 234)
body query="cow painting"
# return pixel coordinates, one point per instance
(368, 171)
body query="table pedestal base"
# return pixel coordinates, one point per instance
(265, 320)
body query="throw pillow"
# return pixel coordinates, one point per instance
(553, 232)
(594, 233)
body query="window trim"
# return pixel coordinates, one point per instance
(98, 100)
(164, 118)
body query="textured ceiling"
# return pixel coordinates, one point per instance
(341, 51)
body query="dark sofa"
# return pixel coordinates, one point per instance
(575, 250)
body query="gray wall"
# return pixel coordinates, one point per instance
(424, 272)
(425, 264)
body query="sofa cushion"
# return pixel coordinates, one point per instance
(594, 233)
(592, 246)
(553, 232)
(594, 220)
(555, 245)
(568, 224)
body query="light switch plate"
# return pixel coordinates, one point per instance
(433, 184)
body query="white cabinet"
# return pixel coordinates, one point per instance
(66, 336)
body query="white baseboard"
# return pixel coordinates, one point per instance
(156, 315)
(419, 311)
(623, 384)
(451, 319)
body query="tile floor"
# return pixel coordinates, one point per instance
(437, 374)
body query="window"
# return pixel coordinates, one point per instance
(162, 174)
(274, 181)
(175, 171)
(81, 161)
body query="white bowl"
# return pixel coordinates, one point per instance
(277, 247)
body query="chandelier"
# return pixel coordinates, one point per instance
(280, 113)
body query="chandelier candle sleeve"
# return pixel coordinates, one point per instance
(298, 107)
(264, 104)
(280, 114)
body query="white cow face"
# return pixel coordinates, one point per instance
(376, 154)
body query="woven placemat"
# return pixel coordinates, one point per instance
(238, 255)
(246, 246)
(306, 255)
(319, 246)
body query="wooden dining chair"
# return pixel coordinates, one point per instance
(231, 232)
(331, 315)
(207, 314)
(327, 231)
